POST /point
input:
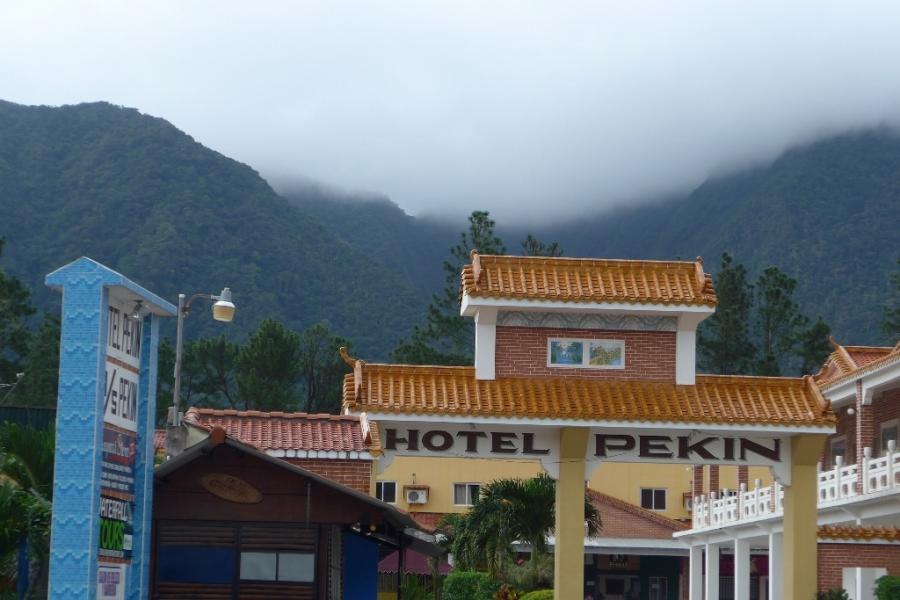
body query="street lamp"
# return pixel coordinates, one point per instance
(222, 310)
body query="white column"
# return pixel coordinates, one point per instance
(485, 343)
(712, 572)
(741, 569)
(776, 566)
(695, 574)
(686, 347)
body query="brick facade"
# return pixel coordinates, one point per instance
(522, 352)
(833, 558)
(846, 426)
(356, 474)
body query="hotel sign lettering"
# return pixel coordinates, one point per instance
(605, 445)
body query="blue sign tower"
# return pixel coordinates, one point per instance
(106, 411)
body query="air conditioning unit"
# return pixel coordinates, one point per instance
(416, 496)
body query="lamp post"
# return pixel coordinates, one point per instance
(222, 310)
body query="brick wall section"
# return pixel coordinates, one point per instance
(846, 426)
(714, 485)
(743, 476)
(885, 407)
(356, 474)
(522, 352)
(834, 557)
(429, 520)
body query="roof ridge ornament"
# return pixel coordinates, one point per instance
(345, 356)
(476, 265)
(701, 274)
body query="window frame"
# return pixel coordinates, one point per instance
(381, 483)
(277, 554)
(891, 424)
(469, 496)
(653, 491)
(838, 439)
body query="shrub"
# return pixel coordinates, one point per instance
(469, 585)
(888, 588)
(506, 592)
(538, 595)
(833, 594)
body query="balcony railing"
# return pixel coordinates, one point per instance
(836, 485)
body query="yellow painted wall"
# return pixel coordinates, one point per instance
(620, 480)
(439, 474)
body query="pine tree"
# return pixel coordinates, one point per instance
(322, 370)
(813, 346)
(448, 338)
(531, 246)
(724, 338)
(269, 367)
(15, 309)
(778, 321)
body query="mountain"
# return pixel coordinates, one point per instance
(137, 194)
(828, 214)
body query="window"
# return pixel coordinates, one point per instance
(889, 431)
(659, 588)
(386, 491)
(586, 353)
(464, 494)
(838, 447)
(653, 498)
(278, 566)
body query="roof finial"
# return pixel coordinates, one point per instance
(476, 265)
(345, 356)
(833, 342)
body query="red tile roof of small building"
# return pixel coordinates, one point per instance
(848, 362)
(621, 519)
(283, 430)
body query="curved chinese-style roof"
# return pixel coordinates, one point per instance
(588, 280)
(284, 431)
(847, 362)
(714, 399)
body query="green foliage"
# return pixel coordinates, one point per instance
(413, 588)
(759, 328)
(891, 322)
(527, 574)
(448, 338)
(724, 340)
(268, 367)
(26, 489)
(833, 594)
(140, 196)
(887, 588)
(539, 595)
(505, 511)
(15, 308)
(507, 592)
(467, 585)
(276, 369)
(531, 246)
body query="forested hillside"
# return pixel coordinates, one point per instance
(137, 194)
(827, 214)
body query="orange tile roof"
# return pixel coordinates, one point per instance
(588, 280)
(425, 390)
(284, 431)
(859, 533)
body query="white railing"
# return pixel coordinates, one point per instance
(836, 485)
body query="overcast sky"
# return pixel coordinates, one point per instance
(534, 110)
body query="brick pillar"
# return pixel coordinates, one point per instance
(743, 476)
(865, 434)
(697, 482)
(714, 478)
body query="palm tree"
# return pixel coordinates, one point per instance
(507, 511)
(26, 492)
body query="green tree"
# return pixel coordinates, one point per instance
(322, 369)
(531, 246)
(508, 510)
(38, 386)
(778, 321)
(813, 346)
(447, 338)
(26, 488)
(724, 338)
(15, 309)
(269, 367)
(891, 322)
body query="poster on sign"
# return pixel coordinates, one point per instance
(111, 581)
